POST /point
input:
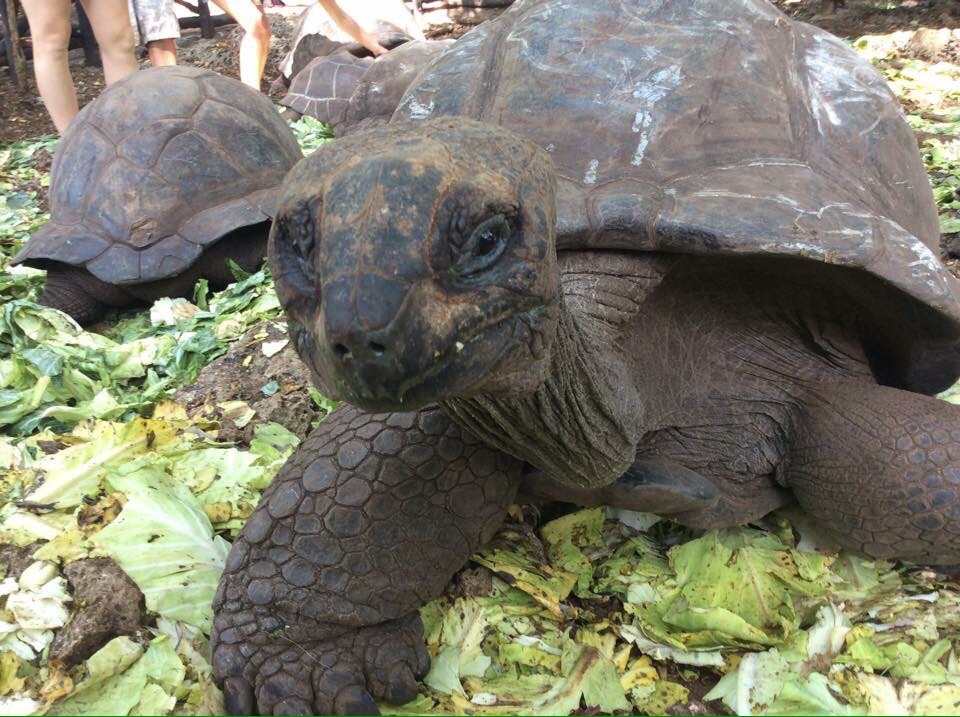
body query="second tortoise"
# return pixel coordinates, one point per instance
(160, 181)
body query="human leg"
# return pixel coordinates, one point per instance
(111, 26)
(159, 30)
(50, 29)
(256, 39)
(162, 53)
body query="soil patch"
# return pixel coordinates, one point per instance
(273, 385)
(14, 560)
(854, 18)
(109, 605)
(23, 116)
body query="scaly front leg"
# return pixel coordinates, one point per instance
(316, 612)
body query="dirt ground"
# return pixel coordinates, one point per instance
(22, 114)
(874, 17)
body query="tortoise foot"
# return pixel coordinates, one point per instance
(338, 671)
(79, 294)
(316, 612)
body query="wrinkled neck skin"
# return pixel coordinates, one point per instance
(581, 425)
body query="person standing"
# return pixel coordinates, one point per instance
(159, 29)
(157, 24)
(50, 33)
(256, 38)
(350, 26)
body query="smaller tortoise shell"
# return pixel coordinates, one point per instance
(352, 93)
(323, 88)
(158, 168)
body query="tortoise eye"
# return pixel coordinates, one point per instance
(292, 246)
(301, 230)
(485, 246)
(296, 241)
(303, 245)
(486, 243)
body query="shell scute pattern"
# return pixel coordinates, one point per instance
(324, 87)
(678, 133)
(162, 165)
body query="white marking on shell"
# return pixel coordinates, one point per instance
(418, 110)
(837, 77)
(649, 91)
(845, 232)
(333, 84)
(925, 257)
(867, 130)
(637, 158)
(590, 176)
(658, 85)
(825, 208)
(794, 247)
(722, 193)
(641, 120)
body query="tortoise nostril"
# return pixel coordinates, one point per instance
(341, 351)
(378, 349)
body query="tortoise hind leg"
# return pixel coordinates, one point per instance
(79, 294)
(881, 468)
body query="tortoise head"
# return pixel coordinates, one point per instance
(417, 263)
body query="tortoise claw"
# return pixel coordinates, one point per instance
(401, 685)
(344, 672)
(355, 700)
(238, 696)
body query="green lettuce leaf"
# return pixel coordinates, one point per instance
(164, 541)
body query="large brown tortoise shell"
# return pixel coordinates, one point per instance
(158, 168)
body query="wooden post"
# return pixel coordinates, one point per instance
(206, 27)
(91, 51)
(15, 58)
(204, 20)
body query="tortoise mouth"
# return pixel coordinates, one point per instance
(461, 370)
(501, 333)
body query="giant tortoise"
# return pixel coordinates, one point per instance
(158, 182)
(352, 93)
(674, 255)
